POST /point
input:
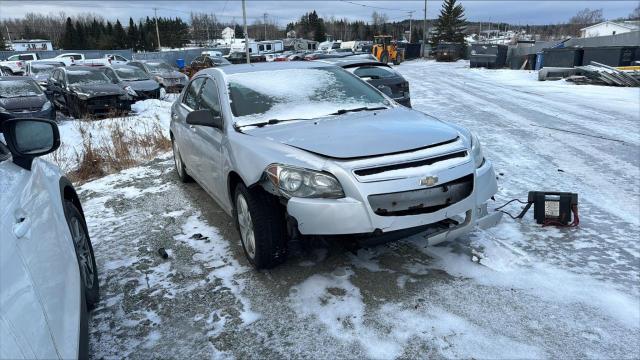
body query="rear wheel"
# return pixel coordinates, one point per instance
(261, 224)
(84, 255)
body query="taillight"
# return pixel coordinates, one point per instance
(19, 63)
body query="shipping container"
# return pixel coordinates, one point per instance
(449, 52)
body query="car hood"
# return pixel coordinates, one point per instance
(142, 85)
(20, 103)
(98, 89)
(169, 74)
(41, 77)
(361, 134)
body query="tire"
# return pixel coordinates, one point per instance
(265, 224)
(384, 58)
(84, 255)
(181, 170)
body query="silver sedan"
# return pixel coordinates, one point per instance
(295, 149)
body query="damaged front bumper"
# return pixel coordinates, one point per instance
(359, 215)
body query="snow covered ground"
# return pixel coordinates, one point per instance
(535, 293)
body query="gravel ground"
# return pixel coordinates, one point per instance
(535, 292)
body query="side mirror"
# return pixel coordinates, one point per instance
(385, 90)
(30, 138)
(205, 118)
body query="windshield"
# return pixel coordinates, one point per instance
(307, 94)
(159, 67)
(220, 61)
(131, 73)
(43, 68)
(19, 88)
(85, 77)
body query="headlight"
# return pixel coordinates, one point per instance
(46, 106)
(158, 78)
(130, 91)
(476, 150)
(82, 96)
(297, 182)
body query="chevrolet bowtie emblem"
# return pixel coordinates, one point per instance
(429, 181)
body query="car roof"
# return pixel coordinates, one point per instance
(264, 66)
(8, 78)
(150, 61)
(342, 62)
(79, 67)
(123, 66)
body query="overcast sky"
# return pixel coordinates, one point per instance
(515, 12)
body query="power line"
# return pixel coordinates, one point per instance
(371, 6)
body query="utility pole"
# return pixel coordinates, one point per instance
(410, 33)
(424, 30)
(9, 35)
(265, 26)
(246, 33)
(155, 15)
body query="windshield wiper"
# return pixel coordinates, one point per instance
(264, 123)
(364, 108)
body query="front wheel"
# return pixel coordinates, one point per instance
(84, 255)
(260, 221)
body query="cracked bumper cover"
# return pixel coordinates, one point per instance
(352, 216)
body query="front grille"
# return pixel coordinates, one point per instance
(411, 164)
(103, 103)
(422, 201)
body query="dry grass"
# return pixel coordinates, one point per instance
(118, 147)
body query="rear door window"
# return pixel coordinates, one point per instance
(191, 95)
(374, 72)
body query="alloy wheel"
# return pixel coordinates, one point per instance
(85, 259)
(246, 226)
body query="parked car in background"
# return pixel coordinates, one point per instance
(83, 90)
(166, 75)
(48, 273)
(22, 97)
(79, 59)
(241, 58)
(206, 61)
(380, 75)
(16, 63)
(212, 53)
(325, 155)
(40, 70)
(135, 81)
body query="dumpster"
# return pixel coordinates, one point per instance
(611, 55)
(449, 52)
(517, 62)
(180, 63)
(490, 56)
(562, 57)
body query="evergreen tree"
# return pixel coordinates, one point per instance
(67, 39)
(2, 43)
(451, 23)
(132, 35)
(238, 31)
(119, 36)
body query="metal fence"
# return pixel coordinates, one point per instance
(89, 54)
(172, 56)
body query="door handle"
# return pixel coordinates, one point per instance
(21, 227)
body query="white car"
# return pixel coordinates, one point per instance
(48, 274)
(16, 63)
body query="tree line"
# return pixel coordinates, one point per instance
(91, 31)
